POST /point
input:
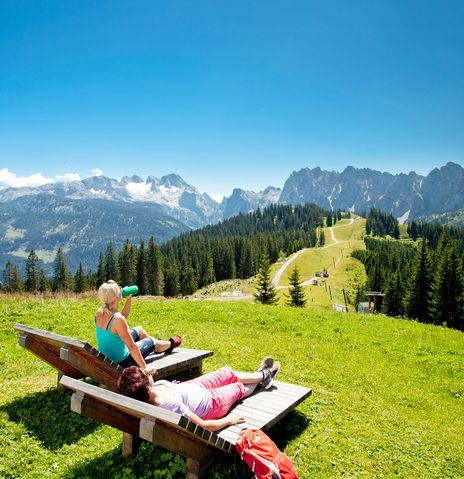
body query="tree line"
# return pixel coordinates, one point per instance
(379, 223)
(228, 250)
(421, 281)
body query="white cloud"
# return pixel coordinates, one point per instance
(97, 172)
(68, 177)
(10, 180)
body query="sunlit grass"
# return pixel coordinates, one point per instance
(388, 394)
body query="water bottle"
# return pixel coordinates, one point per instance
(129, 290)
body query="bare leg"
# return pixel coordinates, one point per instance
(249, 378)
(141, 332)
(249, 389)
(161, 345)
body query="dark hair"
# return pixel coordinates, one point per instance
(134, 383)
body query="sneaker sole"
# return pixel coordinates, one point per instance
(272, 380)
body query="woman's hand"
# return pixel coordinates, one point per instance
(235, 418)
(151, 369)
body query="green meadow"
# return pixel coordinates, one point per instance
(345, 273)
(388, 394)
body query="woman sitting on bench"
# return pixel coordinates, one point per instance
(204, 400)
(124, 345)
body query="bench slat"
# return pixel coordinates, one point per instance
(77, 359)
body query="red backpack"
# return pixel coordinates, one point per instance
(263, 457)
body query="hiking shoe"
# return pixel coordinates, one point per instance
(269, 375)
(266, 363)
(175, 343)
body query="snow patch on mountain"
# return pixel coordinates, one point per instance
(139, 191)
(404, 218)
(98, 194)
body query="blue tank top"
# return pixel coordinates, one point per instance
(110, 344)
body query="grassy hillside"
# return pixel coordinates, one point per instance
(388, 395)
(345, 273)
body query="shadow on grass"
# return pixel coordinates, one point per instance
(48, 417)
(148, 460)
(290, 428)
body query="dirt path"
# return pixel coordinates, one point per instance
(279, 273)
(281, 270)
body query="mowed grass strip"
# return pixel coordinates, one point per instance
(388, 394)
(345, 273)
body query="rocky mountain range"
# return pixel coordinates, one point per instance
(406, 196)
(83, 216)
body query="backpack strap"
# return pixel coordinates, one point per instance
(272, 467)
(242, 471)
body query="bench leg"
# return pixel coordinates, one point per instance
(58, 385)
(197, 369)
(197, 469)
(130, 444)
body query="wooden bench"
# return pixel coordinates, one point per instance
(78, 359)
(139, 420)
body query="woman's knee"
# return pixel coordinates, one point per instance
(141, 332)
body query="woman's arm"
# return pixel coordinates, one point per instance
(127, 307)
(217, 424)
(122, 329)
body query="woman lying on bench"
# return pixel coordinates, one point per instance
(204, 400)
(123, 345)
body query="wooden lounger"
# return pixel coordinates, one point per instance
(176, 433)
(78, 359)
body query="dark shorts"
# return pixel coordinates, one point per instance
(146, 346)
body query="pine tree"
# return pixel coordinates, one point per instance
(80, 282)
(296, 292)
(127, 264)
(208, 277)
(376, 281)
(329, 220)
(412, 230)
(446, 298)
(188, 283)
(32, 272)
(246, 260)
(142, 269)
(392, 303)
(44, 284)
(266, 292)
(171, 280)
(111, 263)
(62, 279)
(417, 296)
(12, 282)
(101, 271)
(154, 268)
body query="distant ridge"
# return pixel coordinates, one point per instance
(83, 216)
(357, 190)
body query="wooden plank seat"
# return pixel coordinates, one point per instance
(78, 359)
(139, 420)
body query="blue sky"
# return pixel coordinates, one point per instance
(228, 94)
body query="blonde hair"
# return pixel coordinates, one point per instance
(107, 293)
